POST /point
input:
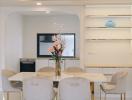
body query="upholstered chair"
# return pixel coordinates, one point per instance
(47, 69)
(74, 88)
(38, 88)
(5, 85)
(117, 85)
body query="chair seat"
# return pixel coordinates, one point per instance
(108, 86)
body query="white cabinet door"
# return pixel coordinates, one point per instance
(64, 63)
(110, 70)
(41, 63)
(72, 63)
(94, 70)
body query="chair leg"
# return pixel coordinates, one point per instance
(124, 96)
(56, 96)
(121, 96)
(21, 95)
(8, 95)
(100, 92)
(3, 95)
(105, 96)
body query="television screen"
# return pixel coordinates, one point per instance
(44, 41)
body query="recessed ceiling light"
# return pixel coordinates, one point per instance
(38, 3)
(23, 0)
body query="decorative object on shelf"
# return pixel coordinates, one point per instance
(56, 50)
(110, 24)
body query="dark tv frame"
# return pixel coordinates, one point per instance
(42, 34)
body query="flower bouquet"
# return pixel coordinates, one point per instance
(56, 50)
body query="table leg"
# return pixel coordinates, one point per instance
(7, 93)
(92, 90)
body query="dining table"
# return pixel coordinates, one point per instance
(92, 77)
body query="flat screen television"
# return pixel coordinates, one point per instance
(44, 41)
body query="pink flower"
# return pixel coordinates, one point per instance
(57, 45)
(54, 38)
(57, 48)
(51, 49)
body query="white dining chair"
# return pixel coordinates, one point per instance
(73, 69)
(5, 84)
(47, 69)
(74, 88)
(38, 89)
(117, 85)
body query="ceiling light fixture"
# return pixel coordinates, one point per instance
(23, 0)
(38, 3)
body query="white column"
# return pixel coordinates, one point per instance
(2, 38)
(82, 38)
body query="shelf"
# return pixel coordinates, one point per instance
(120, 15)
(108, 27)
(108, 15)
(108, 39)
(108, 66)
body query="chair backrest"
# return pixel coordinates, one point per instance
(74, 88)
(119, 79)
(5, 83)
(38, 89)
(73, 69)
(47, 69)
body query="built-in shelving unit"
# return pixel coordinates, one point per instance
(109, 39)
(107, 45)
(108, 27)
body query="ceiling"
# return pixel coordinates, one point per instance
(60, 2)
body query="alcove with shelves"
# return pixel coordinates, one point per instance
(105, 45)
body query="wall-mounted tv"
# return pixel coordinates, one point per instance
(44, 41)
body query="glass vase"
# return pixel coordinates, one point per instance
(57, 67)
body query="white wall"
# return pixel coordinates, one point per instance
(13, 42)
(47, 24)
(2, 39)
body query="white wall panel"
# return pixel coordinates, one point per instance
(13, 42)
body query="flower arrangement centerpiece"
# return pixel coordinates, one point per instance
(56, 50)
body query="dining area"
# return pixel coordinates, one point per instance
(68, 50)
(73, 84)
